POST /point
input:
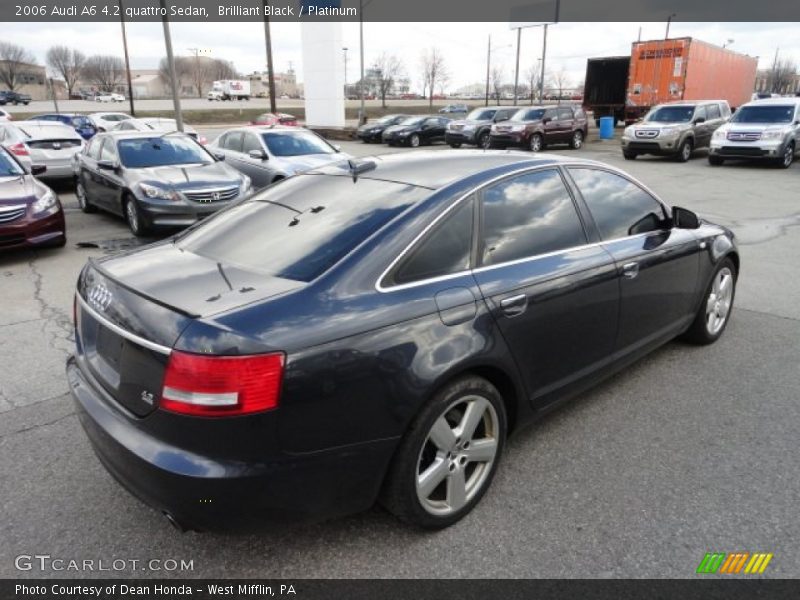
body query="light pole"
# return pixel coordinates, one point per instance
(516, 68)
(176, 93)
(127, 60)
(362, 115)
(489, 66)
(270, 72)
(669, 20)
(345, 72)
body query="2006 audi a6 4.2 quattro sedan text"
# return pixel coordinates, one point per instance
(374, 329)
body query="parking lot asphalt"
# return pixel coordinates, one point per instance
(691, 450)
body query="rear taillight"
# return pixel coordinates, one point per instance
(219, 386)
(19, 149)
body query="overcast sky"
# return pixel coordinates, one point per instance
(463, 44)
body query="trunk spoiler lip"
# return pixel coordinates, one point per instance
(95, 264)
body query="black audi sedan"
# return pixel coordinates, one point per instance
(154, 180)
(375, 329)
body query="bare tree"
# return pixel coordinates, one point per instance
(183, 71)
(104, 71)
(533, 74)
(559, 80)
(434, 70)
(496, 80)
(200, 71)
(68, 63)
(388, 69)
(223, 69)
(781, 77)
(15, 62)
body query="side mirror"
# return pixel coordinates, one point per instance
(106, 165)
(699, 120)
(683, 218)
(219, 156)
(258, 154)
(546, 120)
(38, 169)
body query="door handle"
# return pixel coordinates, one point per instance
(630, 270)
(515, 305)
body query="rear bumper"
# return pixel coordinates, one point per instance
(33, 233)
(205, 493)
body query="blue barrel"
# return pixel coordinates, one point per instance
(606, 128)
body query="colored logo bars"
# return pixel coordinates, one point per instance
(734, 563)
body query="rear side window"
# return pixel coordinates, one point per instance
(620, 207)
(302, 226)
(528, 215)
(445, 250)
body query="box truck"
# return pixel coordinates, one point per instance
(230, 89)
(658, 71)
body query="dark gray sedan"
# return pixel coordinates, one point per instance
(154, 180)
(270, 153)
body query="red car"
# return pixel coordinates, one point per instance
(275, 119)
(30, 212)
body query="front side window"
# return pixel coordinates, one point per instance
(250, 143)
(528, 215)
(671, 114)
(233, 141)
(713, 112)
(108, 152)
(620, 207)
(93, 149)
(481, 114)
(444, 251)
(700, 113)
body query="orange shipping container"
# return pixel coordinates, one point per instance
(686, 69)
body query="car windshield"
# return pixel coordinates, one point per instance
(412, 121)
(295, 144)
(141, 153)
(671, 114)
(528, 114)
(481, 114)
(8, 166)
(302, 226)
(764, 114)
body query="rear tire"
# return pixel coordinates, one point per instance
(715, 309)
(83, 200)
(413, 141)
(576, 143)
(449, 455)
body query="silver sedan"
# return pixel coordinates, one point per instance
(46, 143)
(270, 153)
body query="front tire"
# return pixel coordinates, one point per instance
(484, 141)
(448, 457)
(788, 157)
(576, 143)
(413, 141)
(685, 151)
(714, 312)
(135, 218)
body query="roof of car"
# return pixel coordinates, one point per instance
(435, 169)
(126, 134)
(690, 102)
(778, 101)
(68, 115)
(44, 129)
(282, 128)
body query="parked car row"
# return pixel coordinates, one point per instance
(766, 129)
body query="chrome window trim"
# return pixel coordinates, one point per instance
(597, 166)
(122, 332)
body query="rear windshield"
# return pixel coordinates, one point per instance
(671, 114)
(302, 226)
(140, 153)
(81, 122)
(764, 114)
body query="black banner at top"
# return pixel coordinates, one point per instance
(523, 12)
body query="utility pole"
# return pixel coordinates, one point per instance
(488, 62)
(176, 93)
(774, 72)
(270, 72)
(516, 69)
(544, 55)
(669, 20)
(127, 60)
(345, 72)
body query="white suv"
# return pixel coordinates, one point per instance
(764, 129)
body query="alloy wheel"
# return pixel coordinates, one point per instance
(686, 151)
(414, 141)
(788, 156)
(536, 142)
(718, 304)
(577, 140)
(457, 457)
(132, 215)
(80, 193)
